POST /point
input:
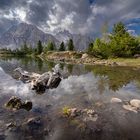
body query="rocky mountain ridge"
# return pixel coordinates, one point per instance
(23, 32)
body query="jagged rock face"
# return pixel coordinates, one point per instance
(81, 42)
(17, 35)
(63, 35)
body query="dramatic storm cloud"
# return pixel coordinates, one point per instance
(77, 16)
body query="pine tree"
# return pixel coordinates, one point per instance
(119, 29)
(24, 48)
(62, 47)
(70, 45)
(30, 50)
(39, 47)
(50, 46)
(90, 47)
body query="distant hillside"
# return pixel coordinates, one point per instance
(17, 35)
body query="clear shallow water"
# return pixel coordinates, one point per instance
(82, 87)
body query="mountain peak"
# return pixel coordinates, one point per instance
(18, 34)
(24, 32)
(64, 32)
(24, 24)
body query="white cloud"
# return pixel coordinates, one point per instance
(88, 19)
(21, 14)
(18, 14)
(10, 15)
(132, 32)
(77, 16)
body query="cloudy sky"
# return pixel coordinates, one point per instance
(77, 16)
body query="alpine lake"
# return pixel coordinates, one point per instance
(102, 90)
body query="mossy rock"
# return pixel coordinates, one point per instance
(15, 103)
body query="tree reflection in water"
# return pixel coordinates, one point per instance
(115, 77)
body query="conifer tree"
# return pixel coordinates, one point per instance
(62, 46)
(70, 45)
(39, 47)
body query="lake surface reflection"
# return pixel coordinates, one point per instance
(82, 87)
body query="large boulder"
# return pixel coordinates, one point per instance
(46, 81)
(15, 103)
(41, 82)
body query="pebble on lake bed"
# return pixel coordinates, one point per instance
(130, 108)
(91, 118)
(135, 103)
(116, 100)
(11, 125)
(132, 105)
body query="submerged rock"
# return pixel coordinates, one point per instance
(71, 112)
(11, 125)
(27, 105)
(34, 121)
(83, 114)
(91, 118)
(74, 112)
(132, 105)
(33, 124)
(116, 100)
(90, 115)
(90, 112)
(135, 103)
(130, 108)
(15, 103)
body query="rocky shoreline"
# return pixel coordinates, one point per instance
(84, 58)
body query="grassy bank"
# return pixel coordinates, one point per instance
(126, 61)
